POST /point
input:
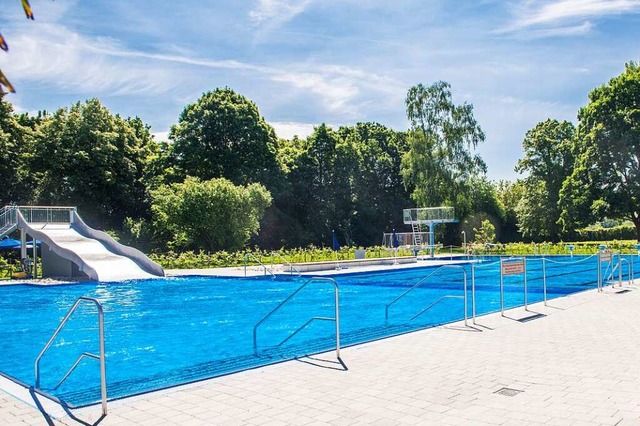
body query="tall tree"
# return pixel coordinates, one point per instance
(15, 152)
(378, 191)
(548, 160)
(440, 160)
(87, 157)
(509, 194)
(222, 134)
(347, 180)
(606, 179)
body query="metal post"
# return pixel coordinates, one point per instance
(473, 292)
(619, 269)
(464, 244)
(245, 266)
(35, 257)
(599, 285)
(337, 320)
(465, 298)
(103, 364)
(23, 244)
(544, 280)
(501, 290)
(526, 308)
(431, 240)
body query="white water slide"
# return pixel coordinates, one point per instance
(94, 253)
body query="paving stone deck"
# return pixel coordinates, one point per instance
(576, 364)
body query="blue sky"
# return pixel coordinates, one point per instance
(340, 62)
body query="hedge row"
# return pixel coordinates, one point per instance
(192, 260)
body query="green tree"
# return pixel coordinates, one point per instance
(479, 205)
(347, 180)
(209, 215)
(15, 153)
(509, 195)
(486, 234)
(378, 191)
(222, 134)
(548, 160)
(606, 179)
(440, 159)
(87, 157)
(315, 186)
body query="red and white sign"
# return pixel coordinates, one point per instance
(513, 268)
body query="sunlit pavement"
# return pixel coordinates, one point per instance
(575, 362)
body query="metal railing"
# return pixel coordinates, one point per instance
(246, 264)
(101, 357)
(45, 214)
(336, 319)
(285, 262)
(621, 260)
(429, 214)
(423, 280)
(8, 219)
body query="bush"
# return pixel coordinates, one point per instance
(624, 231)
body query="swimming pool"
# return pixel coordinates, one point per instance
(161, 333)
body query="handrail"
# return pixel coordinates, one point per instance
(422, 280)
(285, 301)
(249, 255)
(101, 357)
(630, 270)
(448, 296)
(7, 217)
(75, 364)
(549, 259)
(47, 214)
(286, 262)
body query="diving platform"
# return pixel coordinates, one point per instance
(428, 217)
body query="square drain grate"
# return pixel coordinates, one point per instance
(508, 392)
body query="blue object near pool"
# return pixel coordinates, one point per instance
(166, 332)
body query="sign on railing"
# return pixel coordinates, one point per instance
(513, 268)
(606, 256)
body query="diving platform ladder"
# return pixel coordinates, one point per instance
(417, 235)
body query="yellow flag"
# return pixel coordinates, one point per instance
(4, 82)
(27, 9)
(3, 44)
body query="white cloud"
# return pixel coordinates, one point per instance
(50, 53)
(276, 12)
(54, 55)
(560, 18)
(568, 31)
(563, 10)
(289, 129)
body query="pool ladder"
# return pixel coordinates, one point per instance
(423, 280)
(101, 357)
(336, 319)
(292, 267)
(246, 264)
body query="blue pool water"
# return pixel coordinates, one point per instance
(161, 333)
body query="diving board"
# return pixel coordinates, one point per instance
(429, 217)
